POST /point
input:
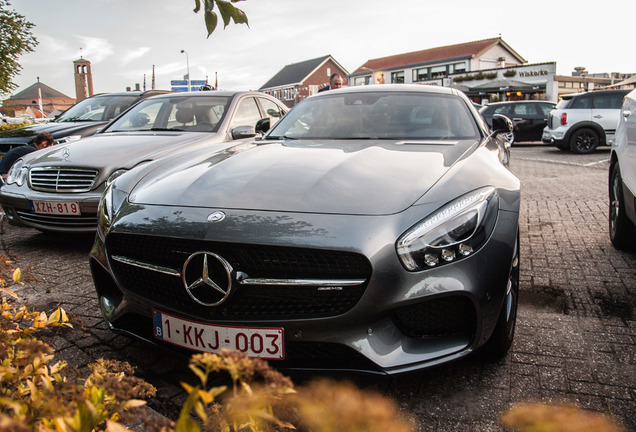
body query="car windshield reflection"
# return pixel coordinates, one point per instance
(380, 115)
(179, 113)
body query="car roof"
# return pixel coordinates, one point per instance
(226, 93)
(572, 95)
(404, 88)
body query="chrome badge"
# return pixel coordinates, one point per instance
(66, 153)
(207, 278)
(217, 216)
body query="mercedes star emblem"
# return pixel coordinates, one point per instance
(66, 153)
(217, 216)
(207, 278)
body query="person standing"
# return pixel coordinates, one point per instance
(41, 141)
(335, 82)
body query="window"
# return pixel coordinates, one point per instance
(581, 103)
(397, 77)
(247, 113)
(545, 108)
(459, 68)
(272, 110)
(420, 74)
(364, 80)
(608, 101)
(438, 72)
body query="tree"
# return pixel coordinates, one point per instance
(227, 10)
(16, 39)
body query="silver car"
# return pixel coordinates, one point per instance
(58, 189)
(622, 178)
(373, 228)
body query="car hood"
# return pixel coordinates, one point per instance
(345, 177)
(58, 130)
(117, 150)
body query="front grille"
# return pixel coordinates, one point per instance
(440, 317)
(59, 221)
(248, 302)
(51, 179)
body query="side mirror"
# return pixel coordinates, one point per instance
(243, 132)
(501, 124)
(263, 125)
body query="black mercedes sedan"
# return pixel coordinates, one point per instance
(528, 117)
(373, 228)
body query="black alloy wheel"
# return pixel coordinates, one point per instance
(501, 339)
(621, 230)
(584, 140)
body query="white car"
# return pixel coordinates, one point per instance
(622, 178)
(583, 121)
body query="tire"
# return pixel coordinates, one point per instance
(510, 137)
(584, 140)
(621, 230)
(502, 336)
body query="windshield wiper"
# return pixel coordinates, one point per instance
(166, 129)
(284, 137)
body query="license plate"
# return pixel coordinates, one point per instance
(263, 342)
(67, 208)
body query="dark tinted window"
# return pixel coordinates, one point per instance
(545, 108)
(581, 102)
(524, 109)
(608, 101)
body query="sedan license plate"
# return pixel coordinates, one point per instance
(66, 208)
(263, 342)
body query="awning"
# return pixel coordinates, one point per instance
(505, 85)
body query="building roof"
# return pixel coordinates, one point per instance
(31, 92)
(458, 51)
(296, 73)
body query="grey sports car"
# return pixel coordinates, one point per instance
(59, 188)
(373, 228)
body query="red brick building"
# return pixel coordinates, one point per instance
(298, 81)
(52, 100)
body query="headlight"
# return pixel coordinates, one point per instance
(109, 204)
(451, 233)
(67, 139)
(114, 175)
(17, 174)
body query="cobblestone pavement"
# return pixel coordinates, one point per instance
(576, 331)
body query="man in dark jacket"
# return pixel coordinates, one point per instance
(335, 82)
(41, 141)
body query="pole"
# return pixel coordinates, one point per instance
(188, 68)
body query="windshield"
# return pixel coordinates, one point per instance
(98, 108)
(176, 113)
(379, 115)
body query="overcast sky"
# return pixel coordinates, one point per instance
(123, 39)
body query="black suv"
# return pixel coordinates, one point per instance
(80, 120)
(583, 121)
(528, 117)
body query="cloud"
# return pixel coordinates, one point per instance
(97, 49)
(134, 55)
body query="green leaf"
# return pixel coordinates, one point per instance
(210, 21)
(229, 12)
(197, 5)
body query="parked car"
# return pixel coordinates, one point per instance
(80, 120)
(373, 228)
(529, 117)
(583, 121)
(58, 189)
(622, 178)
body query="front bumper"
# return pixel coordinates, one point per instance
(17, 204)
(391, 326)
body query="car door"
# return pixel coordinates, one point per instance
(606, 111)
(628, 166)
(525, 118)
